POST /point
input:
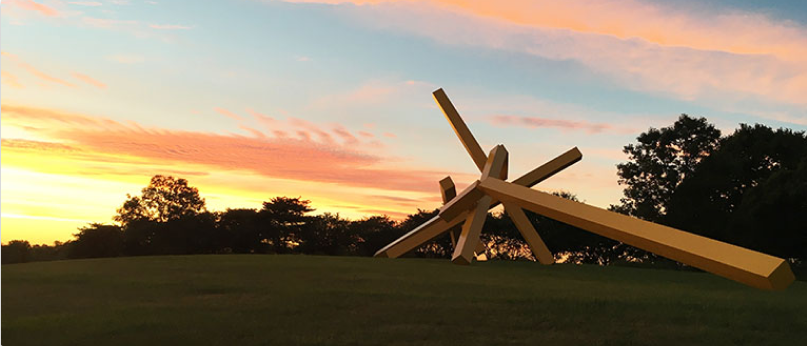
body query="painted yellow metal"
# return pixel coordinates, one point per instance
(733, 262)
(436, 226)
(462, 131)
(472, 228)
(549, 169)
(524, 226)
(471, 205)
(460, 204)
(448, 191)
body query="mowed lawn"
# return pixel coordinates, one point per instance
(312, 300)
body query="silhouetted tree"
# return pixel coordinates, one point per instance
(439, 247)
(373, 233)
(659, 162)
(751, 192)
(241, 231)
(97, 240)
(327, 234)
(16, 251)
(165, 198)
(282, 220)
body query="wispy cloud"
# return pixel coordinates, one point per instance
(30, 5)
(565, 125)
(228, 114)
(89, 80)
(283, 158)
(11, 80)
(36, 72)
(644, 46)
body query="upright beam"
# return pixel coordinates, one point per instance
(524, 226)
(472, 228)
(436, 226)
(448, 191)
(462, 131)
(733, 262)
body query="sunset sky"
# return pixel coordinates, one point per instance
(331, 100)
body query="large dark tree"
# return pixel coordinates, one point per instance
(241, 231)
(659, 162)
(752, 191)
(165, 198)
(97, 240)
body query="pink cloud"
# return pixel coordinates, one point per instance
(228, 114)
(647, 46)
(348, 138)
(35, 72)
(284, 158)
(34, 6)
(389, 135)
(566, 125)
(255, 133)
(311, 127)
(366, 134)
(89, 80)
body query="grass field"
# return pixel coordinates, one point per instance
(311, 300)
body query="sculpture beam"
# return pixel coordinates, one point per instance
(469, 238)
(733, 262)
(524, 226)
(436, 226)
(448, 191)
(462, 131)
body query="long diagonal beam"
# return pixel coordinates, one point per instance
(462, 131)
(733, 262)
(436, 226)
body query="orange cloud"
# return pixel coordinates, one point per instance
(89, 80)
(283, 158)
(34, 71)
(228, 114)
(644, 46)
(11, 80)
(34, 6)
(652, 22)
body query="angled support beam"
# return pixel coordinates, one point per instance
(549, 169)
(464, 252)
(472, 228)
(462, 131)
(436, 226)
(462, 203)
(524, 226)
(733, 262)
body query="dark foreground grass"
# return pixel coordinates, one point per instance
(281, 300)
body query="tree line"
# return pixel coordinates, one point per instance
(747, 188)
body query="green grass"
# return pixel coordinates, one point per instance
(311, 300)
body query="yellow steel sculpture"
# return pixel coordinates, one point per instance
(470, 208)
